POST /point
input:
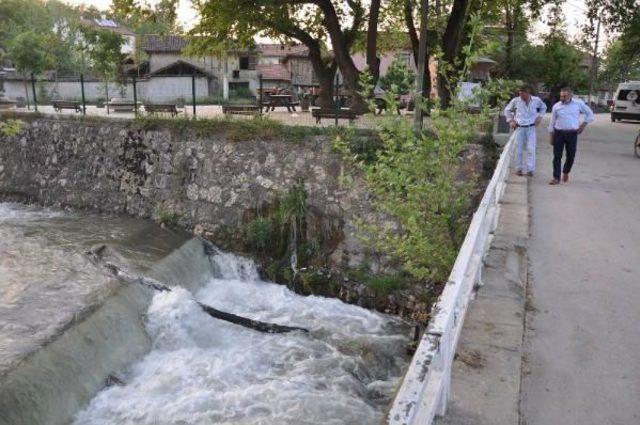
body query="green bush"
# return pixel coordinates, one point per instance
(241, 93)
(260, 233)
(167, 217)
(11, 127)
(399, 78)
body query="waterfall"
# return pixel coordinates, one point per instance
(204, 371)
(78, 346)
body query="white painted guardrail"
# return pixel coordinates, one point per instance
(427, 384)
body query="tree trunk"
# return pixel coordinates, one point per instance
(26, 92)
(415, 47)
(508, 51)
(451, 41)
(326, 100)
(373, 62)
(411, 28)
(341, 47)
(106, 93)
(325, 73)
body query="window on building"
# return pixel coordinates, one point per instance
(244, 62)
(404, 57)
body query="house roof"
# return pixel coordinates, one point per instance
(164, 43)
(181, 65)
(277, 72)
(108, 25)
(281, 50)
(177, 43)
(482, 59)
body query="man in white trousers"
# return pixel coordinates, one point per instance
(524, 113)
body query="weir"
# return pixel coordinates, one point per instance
(124, 354)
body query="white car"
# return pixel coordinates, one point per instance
(626, 102)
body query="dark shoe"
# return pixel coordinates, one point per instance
(530, 174)
(565, 177)
(554, 181)
(519, 173)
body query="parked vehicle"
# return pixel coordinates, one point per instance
(626, 102)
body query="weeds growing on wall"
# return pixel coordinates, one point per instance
(11, 127)
(167, 216)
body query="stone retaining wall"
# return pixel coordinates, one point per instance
(214, 182)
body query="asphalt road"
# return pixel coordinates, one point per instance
(582, 343)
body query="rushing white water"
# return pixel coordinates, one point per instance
(206, 371)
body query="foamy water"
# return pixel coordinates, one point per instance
(206, 371)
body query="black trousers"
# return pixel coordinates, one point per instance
(564, 140)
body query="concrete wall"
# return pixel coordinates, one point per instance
(169, 88)
(156, 89)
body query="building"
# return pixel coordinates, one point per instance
(285, 65)
(479, 72)
(127, 34)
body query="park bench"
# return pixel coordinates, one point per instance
(161, 107)
(240, 109)
(320, 113)
(121, 105)
(59, 105)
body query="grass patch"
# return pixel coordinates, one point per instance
(11, 127)
(233, 129)
(380, 284)
(260, 233)
(167, 216)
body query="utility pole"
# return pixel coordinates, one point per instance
(594, 63)
(423, 61)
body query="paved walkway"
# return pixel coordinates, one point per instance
(582, 350)
(580, 362)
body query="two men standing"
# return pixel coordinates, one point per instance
(524, 113)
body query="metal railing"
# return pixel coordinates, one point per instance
(426, 386)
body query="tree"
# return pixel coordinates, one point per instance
(29, 54)
(104, 50)
(621, 17)
(18, 16)
(622, 62)
(142, 19)
(399, 78)
(230, 24)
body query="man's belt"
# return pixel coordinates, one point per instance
(565, 131)
(525, 126)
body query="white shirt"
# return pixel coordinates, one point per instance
(566, 116)
(525, 113)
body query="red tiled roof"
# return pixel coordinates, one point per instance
(281, 50)
(164, 43)
(276, 72)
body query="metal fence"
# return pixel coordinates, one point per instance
(426, 388)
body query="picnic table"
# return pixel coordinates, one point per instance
(155, 108)
(281, 100)
(241, 109)
(59, 105)
(342, 113)
(121, 105)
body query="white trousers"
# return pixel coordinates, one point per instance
(526, 149)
